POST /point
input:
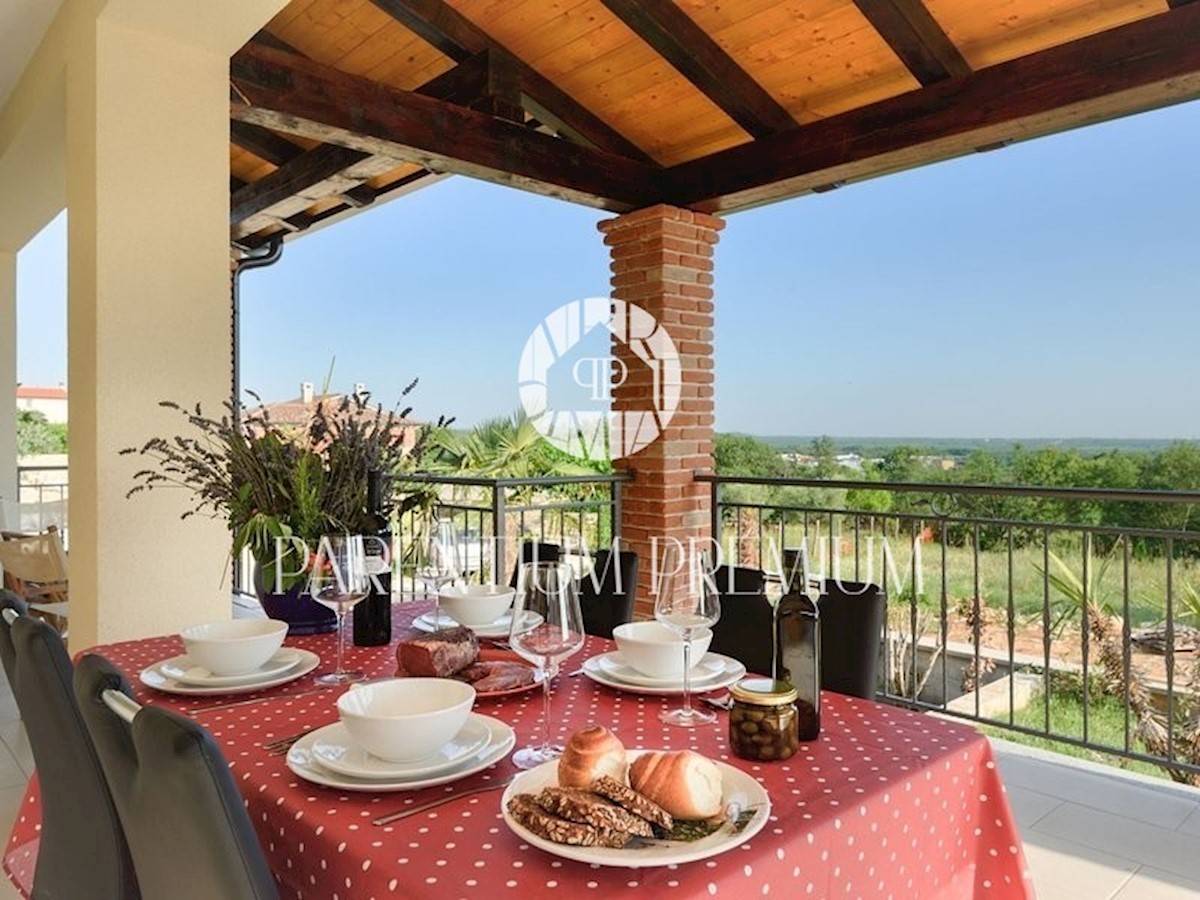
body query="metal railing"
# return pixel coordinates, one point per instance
(42, 500)
(494, 516)
(1032, 610)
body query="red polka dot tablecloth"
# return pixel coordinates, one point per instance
(885, 804)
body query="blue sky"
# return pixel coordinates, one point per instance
(1050, 289)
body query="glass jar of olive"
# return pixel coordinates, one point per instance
(762, 722)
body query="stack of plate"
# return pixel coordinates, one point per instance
(498, 629)
(712, 672)
(181, 675)
(331, 757)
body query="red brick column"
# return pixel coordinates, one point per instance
(662, 261)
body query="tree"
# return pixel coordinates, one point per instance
(35, 435)
(740, 454)
(825, 452)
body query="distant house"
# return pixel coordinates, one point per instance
(51, 402)
(298, 413)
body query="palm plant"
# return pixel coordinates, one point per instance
(1108, 631)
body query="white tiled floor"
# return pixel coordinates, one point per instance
(1095, 833)
(1090, 833)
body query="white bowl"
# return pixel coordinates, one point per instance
(476, 605)
(234, 646)
(655, 650)
(401, 719)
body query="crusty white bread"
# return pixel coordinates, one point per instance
(590, 753)
(684, 783)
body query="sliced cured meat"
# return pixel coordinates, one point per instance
(438, 655)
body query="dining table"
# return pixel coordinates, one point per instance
(885, 803)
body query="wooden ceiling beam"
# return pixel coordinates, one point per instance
(1142, 65)
(305, 220)
(439, 24)
(294, 179)
(916, 37)
(674, 36)
(263, 143)
(297, 96)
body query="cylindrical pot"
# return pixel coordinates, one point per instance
(303, 614)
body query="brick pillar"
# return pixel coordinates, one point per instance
(662, 262)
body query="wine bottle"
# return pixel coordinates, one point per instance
(798, 644)
(373, 614)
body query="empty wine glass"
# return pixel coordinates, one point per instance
(684, 606)
(438, 562)
(547, 628)
(339, 580)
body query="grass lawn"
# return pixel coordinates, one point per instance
(1106, 725)
(988, 574)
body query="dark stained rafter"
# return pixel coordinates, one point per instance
(263, 143)
(1138, 66)
(299, 175)
(289, 94)
(304, 220)
(687, 47)
(1176, 4)
(916, 37)
(458, 37)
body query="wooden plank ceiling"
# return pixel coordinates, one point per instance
(713, 104)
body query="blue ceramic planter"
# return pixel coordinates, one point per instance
(303, 614)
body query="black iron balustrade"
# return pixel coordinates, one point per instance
(971, 571)
(494, 516)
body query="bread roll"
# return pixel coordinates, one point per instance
(590, 753)
(684, 783)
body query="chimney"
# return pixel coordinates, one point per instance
(306, 392)
(359, 389)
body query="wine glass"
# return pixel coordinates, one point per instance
(547, 627)
(438, 562)
(684, 606)
(339, 580)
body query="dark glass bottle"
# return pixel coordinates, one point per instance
(373, 614)
(798, 650)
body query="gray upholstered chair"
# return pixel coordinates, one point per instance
(82, 851)
(188, 830)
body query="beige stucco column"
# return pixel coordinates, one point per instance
(147, 132)
(8, 380)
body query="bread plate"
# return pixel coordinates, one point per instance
(734, 671)
(739, 791)
(153, 677)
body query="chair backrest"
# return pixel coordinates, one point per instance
(852, 615)
(14, 606)
(37, 558)
(82, 851)
(187, 826)
(745, 630)
(606, 594)
(534, 551)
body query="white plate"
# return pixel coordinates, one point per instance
(154, 678)
(734, 672)
(738, 789)
(501, 740)
(710, 668)
(336, 750)
(499, 628)
(183, 670)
